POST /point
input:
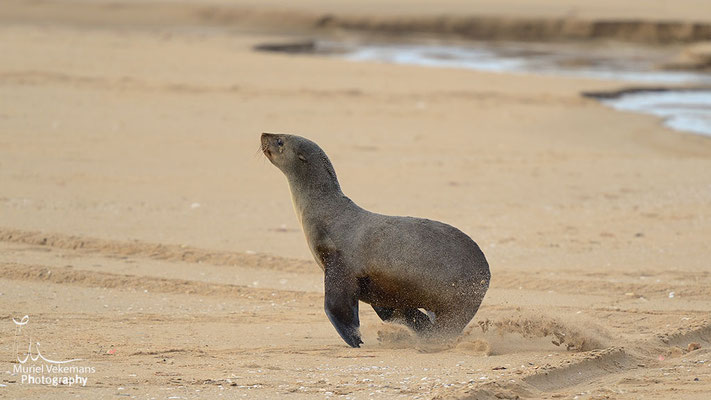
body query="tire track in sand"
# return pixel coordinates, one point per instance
(71, 276)
(165, 252)
(696, 288)
(600, 365)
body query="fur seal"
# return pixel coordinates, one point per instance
(398, 265)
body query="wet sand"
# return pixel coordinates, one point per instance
(142, 232)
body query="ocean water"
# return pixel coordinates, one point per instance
(683, 110)
(522, 58)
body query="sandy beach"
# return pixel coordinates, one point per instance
(143, 232)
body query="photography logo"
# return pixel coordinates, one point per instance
(36, 369)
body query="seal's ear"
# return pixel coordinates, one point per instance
(302, 158)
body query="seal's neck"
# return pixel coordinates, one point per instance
(316, 186)
(316, 197)
(315, 191)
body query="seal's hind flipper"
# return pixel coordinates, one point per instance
(341, 301)
(412, 317)
(386, 314)
(417, 320)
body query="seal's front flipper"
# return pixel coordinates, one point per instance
(341, 302)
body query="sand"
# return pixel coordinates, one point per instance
(143, 233)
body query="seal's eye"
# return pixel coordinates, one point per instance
(302, 158)
(280, 142)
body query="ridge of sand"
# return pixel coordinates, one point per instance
(485, 21)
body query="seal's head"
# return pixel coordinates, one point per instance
(300, 159)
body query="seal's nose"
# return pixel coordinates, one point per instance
(265, 143)
(265, 140)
